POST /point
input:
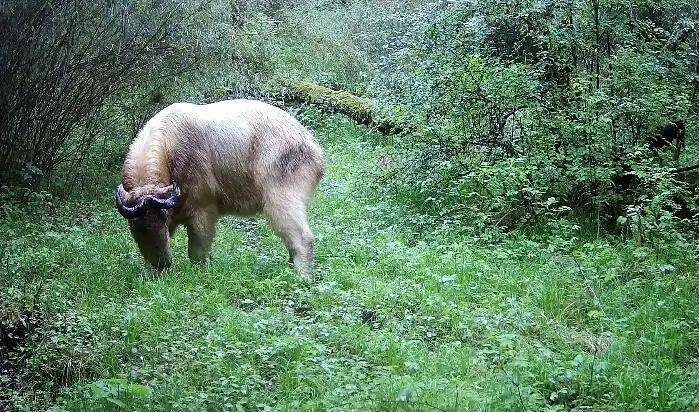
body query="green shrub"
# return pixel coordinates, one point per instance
(515, 115)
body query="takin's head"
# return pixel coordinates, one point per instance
(146, 209)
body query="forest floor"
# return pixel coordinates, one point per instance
(395, 320)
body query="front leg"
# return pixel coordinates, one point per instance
(171, 229)
(200, 235)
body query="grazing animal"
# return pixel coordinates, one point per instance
(190, 164)
(669, 133)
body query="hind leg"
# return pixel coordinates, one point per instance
(290, 223)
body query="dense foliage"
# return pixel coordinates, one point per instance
(511, 242)
(396, 320)
(529, 105)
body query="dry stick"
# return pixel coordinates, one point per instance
(503, 217)
(35, 299)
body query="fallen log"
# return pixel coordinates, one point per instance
(360, 109)
(688, 175)
(685, 169)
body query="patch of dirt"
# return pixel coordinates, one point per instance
(302, 311)
(594, 343)
(299, 310)
(371, 318)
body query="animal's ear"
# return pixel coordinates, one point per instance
(170, 200)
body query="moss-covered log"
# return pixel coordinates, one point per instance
(360, 109)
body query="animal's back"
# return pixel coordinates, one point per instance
(248, 130)
(234, 151)
(229, 146)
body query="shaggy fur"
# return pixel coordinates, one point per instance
(233, 157)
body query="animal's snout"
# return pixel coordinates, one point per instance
(161, 262)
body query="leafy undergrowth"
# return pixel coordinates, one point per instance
(393, 321)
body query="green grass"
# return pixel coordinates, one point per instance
(394, 321)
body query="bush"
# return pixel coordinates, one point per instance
(63, 62)
(538, 106)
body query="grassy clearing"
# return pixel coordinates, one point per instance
(395, 320)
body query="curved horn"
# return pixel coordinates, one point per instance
(128, 212)
(168, 203)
